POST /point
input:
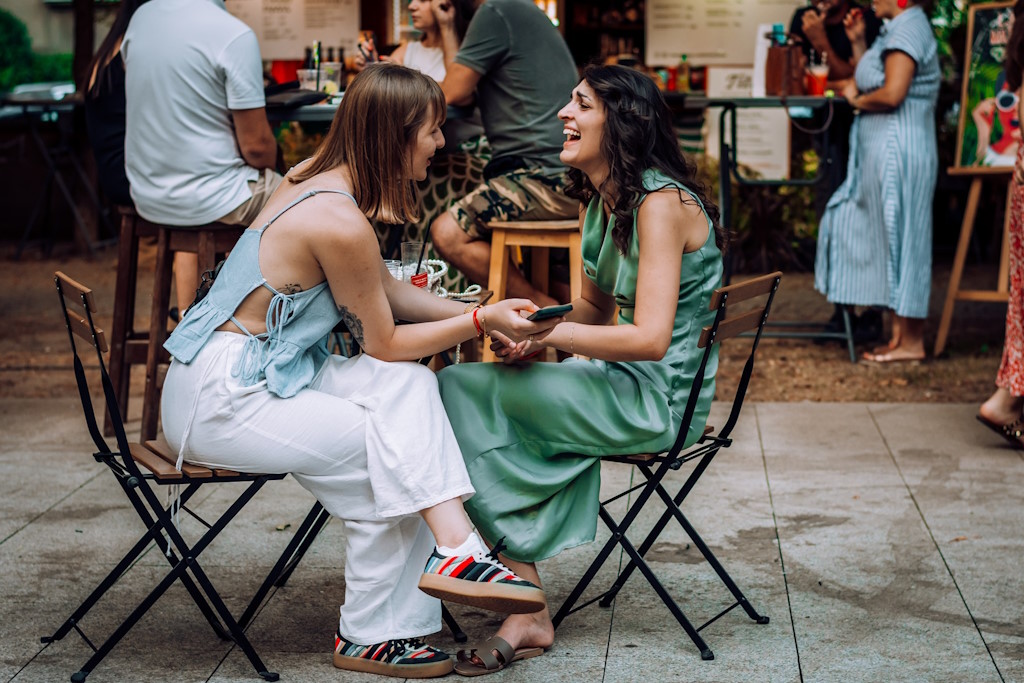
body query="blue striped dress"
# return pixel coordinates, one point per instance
(875, 239)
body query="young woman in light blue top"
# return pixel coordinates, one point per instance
(252, 387)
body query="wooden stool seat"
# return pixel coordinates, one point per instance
(540, 236)
(131, 347)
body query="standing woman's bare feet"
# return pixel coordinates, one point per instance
(906, 345)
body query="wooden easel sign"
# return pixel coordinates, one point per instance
(988, 135)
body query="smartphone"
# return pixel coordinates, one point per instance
(550, 312)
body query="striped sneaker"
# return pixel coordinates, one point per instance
(402, 658)
(480, 580)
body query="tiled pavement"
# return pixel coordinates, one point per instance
(885, 541)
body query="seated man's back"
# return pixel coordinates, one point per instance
(522, 74)
(527, 76)
(189, 65)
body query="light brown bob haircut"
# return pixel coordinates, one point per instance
(373, 129)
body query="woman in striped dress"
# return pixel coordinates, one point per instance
(875, 240)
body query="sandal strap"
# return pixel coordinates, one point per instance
(1015, 429)
(485, 653)
(505, 651)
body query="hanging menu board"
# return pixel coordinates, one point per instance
(286, 27)
(710, 31)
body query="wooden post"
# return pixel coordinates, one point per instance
(954, 293)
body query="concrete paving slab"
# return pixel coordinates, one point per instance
(47, 424)
(866, 574)
(969, 493)
(34, 481)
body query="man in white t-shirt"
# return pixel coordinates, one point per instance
(198, 147)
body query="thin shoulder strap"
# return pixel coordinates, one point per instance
(303, 197)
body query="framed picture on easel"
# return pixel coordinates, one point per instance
(989, 131)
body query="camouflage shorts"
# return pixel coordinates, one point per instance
(521, 194)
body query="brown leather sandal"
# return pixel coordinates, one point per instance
(488, 662)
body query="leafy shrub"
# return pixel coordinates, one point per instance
(15, 51)
(19, 64)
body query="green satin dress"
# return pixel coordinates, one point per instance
(531, 434)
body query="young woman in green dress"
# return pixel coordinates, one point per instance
(532, 435)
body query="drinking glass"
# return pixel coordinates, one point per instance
(308, 78)
(394, 267)
(413, 269)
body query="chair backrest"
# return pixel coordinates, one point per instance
(729, 323)
(79, 306)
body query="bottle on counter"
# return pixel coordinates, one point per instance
(778, 35)
(683, 75)
(307, 61)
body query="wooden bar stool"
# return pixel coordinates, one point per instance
(541, 236)
(206, 241)
(129, 346)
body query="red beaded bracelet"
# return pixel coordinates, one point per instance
(476, 324)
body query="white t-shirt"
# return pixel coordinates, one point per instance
(427, 60)
(188, 63)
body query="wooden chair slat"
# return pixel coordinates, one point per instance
(745, 290)
(81, 329)
(73, 291)
(161, 469)
(732, 327)
(647, 457)
(162, 450)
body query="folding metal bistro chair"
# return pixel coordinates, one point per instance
(655, 467)
(141, 469)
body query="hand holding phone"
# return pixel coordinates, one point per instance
(550, 312)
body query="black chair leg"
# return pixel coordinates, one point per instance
(309, 528)
(307, 541)
(662, 522)
(705, 651)
(457, 633)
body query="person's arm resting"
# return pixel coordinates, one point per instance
(459, 84)
(255, 139)
(666, 228)
(899, 72)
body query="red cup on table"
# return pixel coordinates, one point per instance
(817, 79)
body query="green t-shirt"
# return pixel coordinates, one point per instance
(527, 75)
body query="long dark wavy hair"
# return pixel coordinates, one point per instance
(638, 135)
(1014, 64)
(97, 70)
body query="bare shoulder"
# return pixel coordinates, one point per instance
(674, 213)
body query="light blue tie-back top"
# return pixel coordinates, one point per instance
(291, 351)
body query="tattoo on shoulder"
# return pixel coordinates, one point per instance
(355, 326)
(291, 289)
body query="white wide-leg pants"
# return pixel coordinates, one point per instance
(370, 439)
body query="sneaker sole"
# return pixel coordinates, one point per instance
(432, 670)
(496, 597)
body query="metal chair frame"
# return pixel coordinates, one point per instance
(139, 487)
(656, 467)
